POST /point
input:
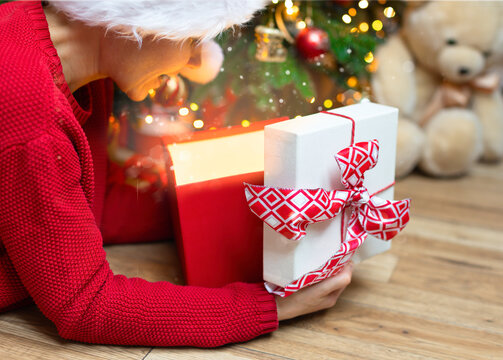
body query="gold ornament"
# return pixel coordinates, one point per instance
(270, 46)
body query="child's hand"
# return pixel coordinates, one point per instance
(322, 295)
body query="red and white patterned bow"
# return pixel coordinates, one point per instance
(290, 211)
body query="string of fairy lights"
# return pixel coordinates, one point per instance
(348, 97)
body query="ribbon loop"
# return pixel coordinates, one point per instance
(383, 218)
(290, 211)
(355, 160)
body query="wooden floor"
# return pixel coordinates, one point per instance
(438, 294)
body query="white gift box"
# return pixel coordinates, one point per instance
(299, 153)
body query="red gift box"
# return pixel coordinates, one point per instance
(218, 238)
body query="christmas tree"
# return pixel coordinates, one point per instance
(294, 58)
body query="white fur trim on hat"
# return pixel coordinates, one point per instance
(171, 19)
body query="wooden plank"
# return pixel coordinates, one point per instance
(428, 305)
(455, 234)
(409, 333)
(474, 259)
(378, 268)
(447, 277)
(230, 352)
(152, 262)
(304, 340)
(470, 200)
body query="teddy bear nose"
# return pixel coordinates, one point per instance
(464, 71)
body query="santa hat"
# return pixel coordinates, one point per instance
(177, 20)
(171, 19)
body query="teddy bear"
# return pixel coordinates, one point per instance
(441, 72)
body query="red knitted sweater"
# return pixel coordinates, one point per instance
(51, 196)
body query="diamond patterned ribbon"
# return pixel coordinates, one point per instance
(290, 211)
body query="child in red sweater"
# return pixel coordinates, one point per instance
(54, 103)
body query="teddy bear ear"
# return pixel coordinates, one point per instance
(414, 4)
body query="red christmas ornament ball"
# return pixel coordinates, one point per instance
(344, 3)
(312, 42)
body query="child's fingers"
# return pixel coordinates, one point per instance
(341, 280)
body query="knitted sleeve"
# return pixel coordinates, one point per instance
(51, 237)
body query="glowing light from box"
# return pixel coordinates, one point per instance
(194, 107)
(363, 4)
(151, 92)
(352, 12)
(149, 119)
(288, 4)
(352, 81)
(353, 30)
(364, 27)
(300, 25)
(369, 57)
(340, 98)
(328, 103)
(183, 111)
(389, 12)
(298, 116)
(275, 1)
(377, 25)
(198, 124)
(245, 123)
(346, 18)
(312, 100)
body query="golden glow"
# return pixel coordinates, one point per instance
(369, 57)
(313, 99)
(389, 12)
(293, 11)
(364, 27)
(194, 107)
(194, 161)
(245, 123)
(300, 25)
(357, 96)
(363, 4)
(340, 97)
(377, 25)
(372, 67)
(275, 1)
(151, 92)
(198, 123)
(352, 12)
(183, 111)
(346, 18)
(353, 30)
(328, 103)
(149, 119)
(288, 4)
(352, 81)
(298, 116)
